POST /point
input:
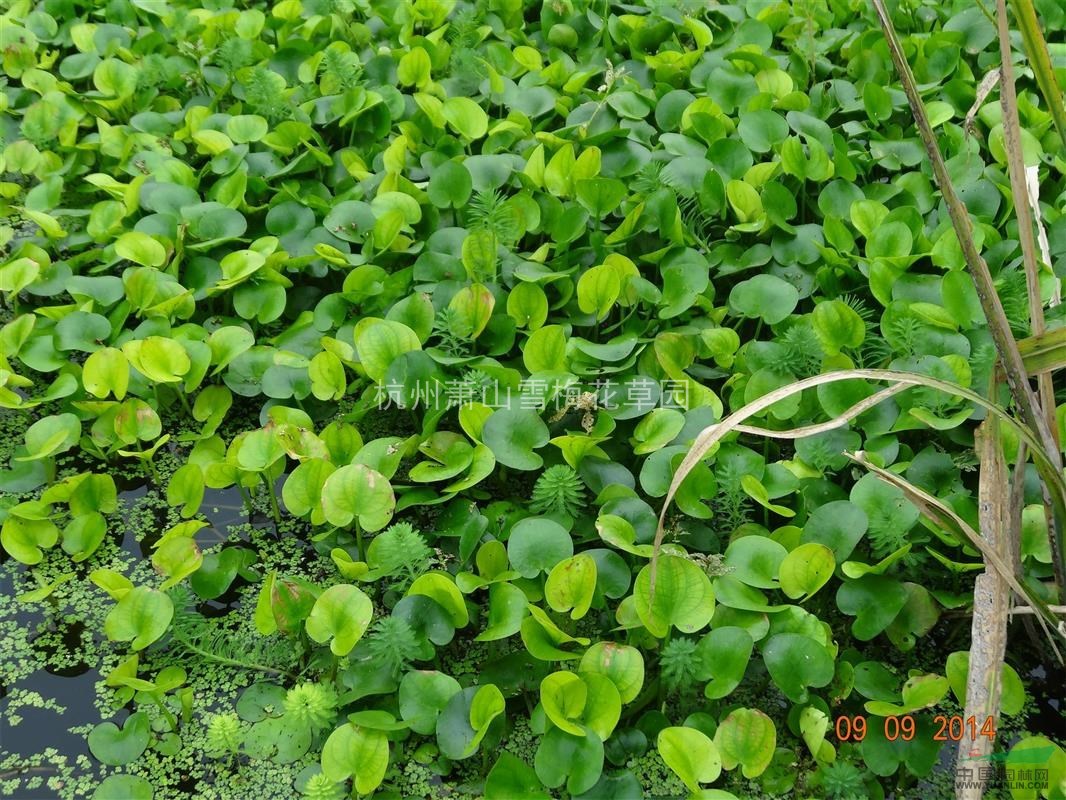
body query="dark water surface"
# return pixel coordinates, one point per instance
(73, 687)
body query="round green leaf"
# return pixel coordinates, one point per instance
(838, 326)
(259, 450)
(598, 290)
(450, 185)
(124, 787)
(513, 434)
(874, 601)
(838, 525)
(379, 342)
(690, 754)
(116, 746)
(50, 436)
(795, 662)
(576, 761)
(141, 249)
(806, 569)
(106, 372)
(441, 587)
(340, 616)
(755, 560)
(746, 737)
(564, 695)
(657, 429)
(359, 751)
(622, 664)
(466, 117)
(537, 544)
(507, 608)
(160, 360)
(423, 694)
(243, 128)
(302, 490)
(83, 535)
(462, 728)
(357, 492)
(513, 779)
(889, 240)
(227, 343)
(142, 615)
(571, 585)
(24, 539)
(764, 297)
(683, 597)
(723, 654)
(177, 557)
(545, 350)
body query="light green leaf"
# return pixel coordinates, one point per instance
(690, 754)
(340, 616)
(466, 117)
(141, 616)
(683, 598)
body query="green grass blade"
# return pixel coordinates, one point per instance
(1040, 61)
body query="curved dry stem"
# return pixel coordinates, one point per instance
(823, 427)
(712, 434)
(943, 515)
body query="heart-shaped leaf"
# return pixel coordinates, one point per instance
(571, 585)
(141, 617)
(423, 695)
(116, 746)
(357, 492)
(622, 664)
(746, 737)
(340, 616)
(359, 751)
(795, 662)
(806, 569)
(874, 601)
(513, 435)
(690, 754)
(683, 597)
(537, 544)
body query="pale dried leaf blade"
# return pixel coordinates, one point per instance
(714, 433)
(984, 88)
(1032, 190)
(940, 514)
(1012, 143)
(1044, 353)
(999, 327)
(1010, 358)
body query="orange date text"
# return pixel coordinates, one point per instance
(905, 727)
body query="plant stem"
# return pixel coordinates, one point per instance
(1006, 346)
(184, 402)
(172, 721)
(246, 498)
(273, 498)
